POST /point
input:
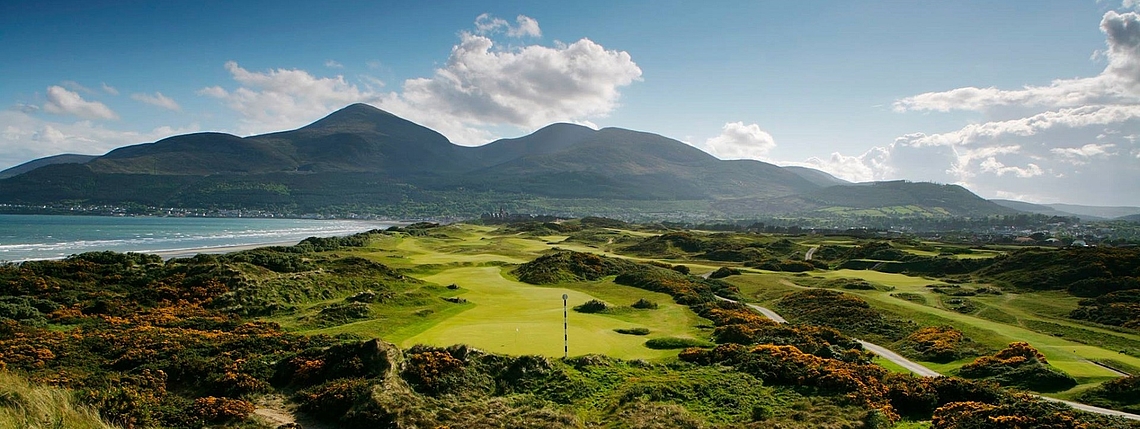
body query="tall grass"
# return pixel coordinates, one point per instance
(26, 405)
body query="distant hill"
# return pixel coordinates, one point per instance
(817, 177)
(895, 198)
(364, 159)
(1041, 209)
(1097, 211)
(1130, 218)
(67, 158)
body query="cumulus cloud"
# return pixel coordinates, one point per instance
(525, 26)
(991, 164)
(333, 64)
(282, 99)
(526, 87)
(75, 86)
(157, 100)
(1026, 144)
(872, 165)
(1118, 83)
(739, 141)
(26, 137)
(480, 87)
(63, 102)
(110, 89)
(1087, 151)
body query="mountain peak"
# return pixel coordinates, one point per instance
(354, 117)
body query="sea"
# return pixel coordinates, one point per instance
(32, 237)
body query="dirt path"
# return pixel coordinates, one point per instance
(273, 411)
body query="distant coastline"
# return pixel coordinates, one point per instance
(44, 237)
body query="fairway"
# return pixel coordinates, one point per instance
(1069, 356)
(517, 318)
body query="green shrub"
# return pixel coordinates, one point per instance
(723, 272)
(668, 343)
(592, 306)
(632, 331)
(644, 304)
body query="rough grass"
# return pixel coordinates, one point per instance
(26, 405)
(1006, 323)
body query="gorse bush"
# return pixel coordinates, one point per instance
(1019, 365)
(592, 306)
(939, 344)
(666, 343)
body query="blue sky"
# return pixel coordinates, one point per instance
(1038, 101)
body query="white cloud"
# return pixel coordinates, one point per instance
(1076, 117)
(110, 89)
(26, 137)
(525, 26)
(157, 100)
(333, 64)
(992, 165)
(527, 87)
(480, 87)
(283, 99)
(63, 102)
(1087, 151)
(214, 91)
(870, 166)
(1118, 83)
(75, 86)
(739, 141)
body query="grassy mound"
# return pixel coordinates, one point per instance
(570, 266)
(1019, 365)
(843, 311)
(939, 344)
(1119, 394)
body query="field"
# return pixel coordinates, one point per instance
(501, 314)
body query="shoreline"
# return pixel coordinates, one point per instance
(216, 250)
(173, 253)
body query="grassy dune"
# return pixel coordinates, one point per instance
(26, 405)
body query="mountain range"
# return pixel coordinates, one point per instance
(361, 158)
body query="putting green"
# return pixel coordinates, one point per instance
(515, 318)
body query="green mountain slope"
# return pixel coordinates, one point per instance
(67, 158)
(364, 159)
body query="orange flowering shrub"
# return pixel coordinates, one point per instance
(1022, 412)
(427, 368)
(787, 365)
(939, 344)
(222, 409)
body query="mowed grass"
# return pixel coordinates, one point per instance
(510, 317)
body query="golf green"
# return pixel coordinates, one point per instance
(516, 318)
